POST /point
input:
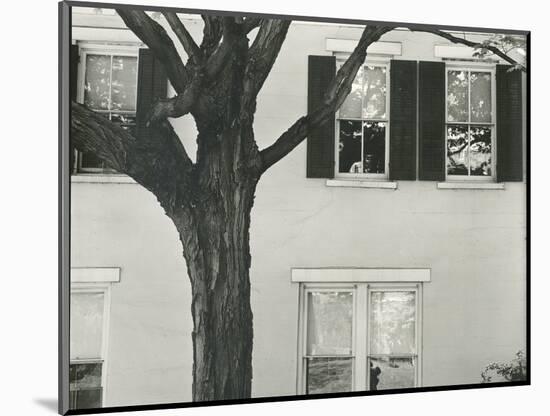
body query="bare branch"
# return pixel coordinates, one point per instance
(335, 96)
(250, 23)
(156, 159)
(232, 32)
(156, 38)
(212, 34)
(496, 51)
(191, 48)
(262, 55)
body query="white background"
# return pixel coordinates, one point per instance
(28, 228)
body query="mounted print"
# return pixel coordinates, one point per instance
(260, 208)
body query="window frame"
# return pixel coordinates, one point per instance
(105, 290)
(108, 49)
(360, 330)
(472, 67)
(376, 62)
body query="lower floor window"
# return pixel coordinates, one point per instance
(359, 337)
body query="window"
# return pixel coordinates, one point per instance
(363, 125)
(357, 337)
(470, 118)
(88, 320)
(108, 85)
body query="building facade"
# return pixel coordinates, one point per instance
(388, 252)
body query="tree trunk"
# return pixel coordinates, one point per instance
(217, 251)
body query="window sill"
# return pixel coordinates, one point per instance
(360, 183)
(98, 178)
(470, 185)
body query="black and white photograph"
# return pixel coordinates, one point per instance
(275, 207)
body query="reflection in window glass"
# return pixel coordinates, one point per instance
(480, 151)
(392, 373)
(349, 150)
(392, 323)
(374, 149)
(329, 375)
(329, 326)
(480, 101)
(351, 107)
(124, 83)
(85, 390)
(97, 82)
(375, 93)
(457, 96)
(457, 150)
(86, 325)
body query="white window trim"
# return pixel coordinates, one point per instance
(475, 67)
(360, 330)
(95, 274)
(348, 45)
(367, 177)
(105, 289)
(360, 275)
(90, 48)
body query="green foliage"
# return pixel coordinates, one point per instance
(515, 370)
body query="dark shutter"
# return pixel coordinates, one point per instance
(403, 75)
(320, 141)
(431, 118)
(509, 124)
(152, 85)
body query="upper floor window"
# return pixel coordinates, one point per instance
(470, 118)
(107, 85)
(363, 125)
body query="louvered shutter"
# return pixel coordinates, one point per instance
(403, 89)
(320, 141)
(431, 117)
(509, 124)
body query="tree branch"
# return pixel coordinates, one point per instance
(212, 34)
(231, 32)
(476, 45)
(250, 23)
(262, 55)
(335, 96)
(191, 48)
(157, 159)
(156, 38)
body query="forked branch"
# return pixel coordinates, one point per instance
(335, 96)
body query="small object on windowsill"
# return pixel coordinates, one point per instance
(470, 185)
(361, 183)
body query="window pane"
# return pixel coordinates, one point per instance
(375, 92)
(89, 160)
(97, 80)
(457, 150)
(374, 157)
(349, 148)
(127, 121)
(86, 325)
(85, 399)
(329, 375)
(457, 96)
(480, 151)
(480, 90)
(85, 375)
(392, 373)
(123, 84)
(351, 107)
(392, 322)
(329, 325)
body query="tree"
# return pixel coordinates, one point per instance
(210, 200)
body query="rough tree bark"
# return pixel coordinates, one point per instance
(210, 200)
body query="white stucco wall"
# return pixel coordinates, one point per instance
(473, 241)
